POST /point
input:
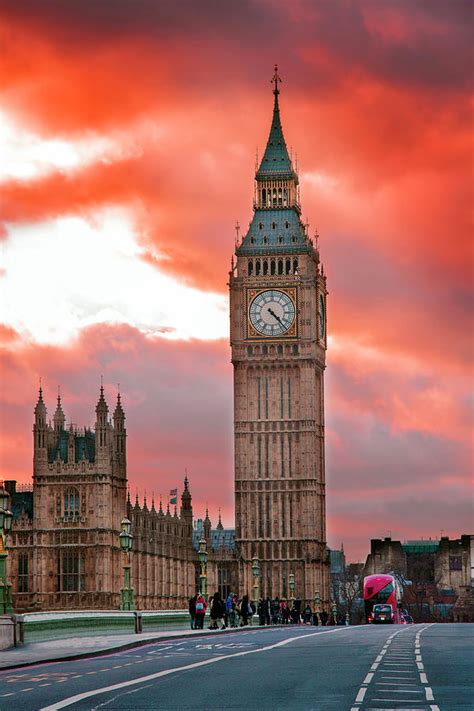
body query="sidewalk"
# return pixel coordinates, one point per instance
(56, 650)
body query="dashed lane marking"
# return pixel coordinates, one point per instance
(80, 697)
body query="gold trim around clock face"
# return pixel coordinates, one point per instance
(292, 332)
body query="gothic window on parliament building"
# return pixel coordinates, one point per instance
(23, 586)
(71, 503)
(223, 582)
(71, 577)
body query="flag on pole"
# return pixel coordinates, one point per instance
(173, 496)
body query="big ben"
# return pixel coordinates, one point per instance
(278, 335)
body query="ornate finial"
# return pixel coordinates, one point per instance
(101, 384)
(275, 81)
(306, 226)
(59, 394)
(237, 230)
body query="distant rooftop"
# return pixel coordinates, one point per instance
(423, 545)
(220, 538)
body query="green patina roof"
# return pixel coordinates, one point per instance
(84, 447)
(276, 161)
(263, 237)
(421, 547)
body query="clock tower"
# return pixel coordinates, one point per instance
(278, 340)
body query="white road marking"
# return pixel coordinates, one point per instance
(429, 693)
(360, 695)
(79, 697)
(423, 678)
(368, 679)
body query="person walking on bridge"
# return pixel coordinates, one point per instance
(201, 606)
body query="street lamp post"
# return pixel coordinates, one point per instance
(317, 607)
(256, 574)
(291, 581)
(125, 538)
(6, 518)
(202, 556)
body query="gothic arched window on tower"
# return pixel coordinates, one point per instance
(257, 267)
(295, 266)
(264, 197)
(274, 197)
(285, 197)
(280, 266)
(71, 503)
(288, 266)
(71, 576)
(265, 266)
(274, 224)
(287, 225)
(250, 268)
(260, 225)
(280, 197)
(272, 267)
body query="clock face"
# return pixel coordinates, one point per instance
(322, 317)
(272, 313)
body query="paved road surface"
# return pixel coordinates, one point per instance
(417, 667)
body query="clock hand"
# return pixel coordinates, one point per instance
(270, 311)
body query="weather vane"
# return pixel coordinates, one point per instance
(275, 80)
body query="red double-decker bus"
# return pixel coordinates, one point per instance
(382, 589)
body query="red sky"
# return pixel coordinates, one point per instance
(128, 133)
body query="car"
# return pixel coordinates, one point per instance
(382, 614)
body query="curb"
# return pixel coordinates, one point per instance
(122, 647)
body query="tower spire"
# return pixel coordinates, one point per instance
(276, 161)
(276, 80)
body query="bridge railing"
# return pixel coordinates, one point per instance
(43, 626)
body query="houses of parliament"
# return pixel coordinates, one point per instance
(64, 551)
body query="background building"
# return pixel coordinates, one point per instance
(64, 549)
(437, 575)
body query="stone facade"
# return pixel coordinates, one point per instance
(278, 341)
(64, 549)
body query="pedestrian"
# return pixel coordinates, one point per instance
(228, 608)
(275, 610)
(217, 611)
(201, 607)
(285, 612)
(324, 618)
(234, 614)
(246, 611)
(307, 614)
(268, 605)
(192, 610)
(261, 611)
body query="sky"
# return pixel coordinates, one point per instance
(128, 139)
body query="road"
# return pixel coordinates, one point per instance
(418, 667)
